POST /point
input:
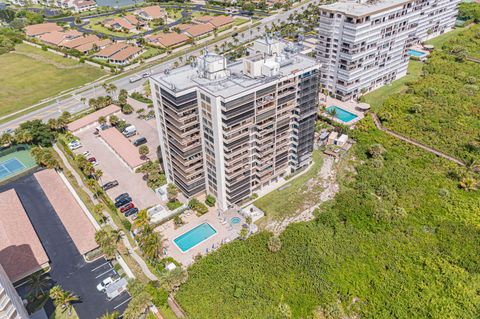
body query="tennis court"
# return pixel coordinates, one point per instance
(15, 160)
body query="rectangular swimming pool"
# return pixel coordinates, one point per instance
(341, 114)
(194, 236)
(416, 53)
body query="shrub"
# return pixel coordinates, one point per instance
(210, 201)
(197, 206)
(172, 205)
(274, 244)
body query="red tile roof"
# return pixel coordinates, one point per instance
(73, 217)
(167, 39)
(92, 117)
(72, 44)
(58, 37)
(125, 54)
(42, 28)
(111, 49)
(123, 147)
(199, 29)
(152, 12)
(21, 252)
(220, 21)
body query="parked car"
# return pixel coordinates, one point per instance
(86, 153)
(109, 185)
(131, 129)
(131, 211)
(91, 159)
(123, 201)
(102, 286)
(119, 197)
(140, 141)
(135, 78)
(146, 74)
(123, 209)
(74, 145)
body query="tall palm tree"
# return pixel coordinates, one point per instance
(150, 242)
(63, 298)
(38, 284)
(6, 139)
(113, 315)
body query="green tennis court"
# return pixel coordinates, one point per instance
(15, 160)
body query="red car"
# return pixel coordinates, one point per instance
(123, 209)
(92, 159)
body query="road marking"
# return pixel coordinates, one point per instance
(122, 302)
(104, 273)
(100, 266)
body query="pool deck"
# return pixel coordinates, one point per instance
(220, 222)
(350, 106)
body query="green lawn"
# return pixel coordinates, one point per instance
(95, 24)
(58, 314)
(240, 21)
(377, 97)
(441, 39)
(27, 80)
(301, 193)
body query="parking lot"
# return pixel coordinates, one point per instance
(68, 267)
(114, 168)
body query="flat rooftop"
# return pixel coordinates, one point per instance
(353, 8)
(21, 252)
(73, 217)
(93, 117)
(187, 77)
(123, 147)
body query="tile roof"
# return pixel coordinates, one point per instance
(131, 19)
(123, 147)
(73, 218)
(89, 46)
(167, 39)
(120, 21)
(202, 19)
(21, 252)
(72, 44)
(38, 29)
(92, 117)
(220, 21)
(199, 29)
(125, 54)
(111, 49)
(152, 12)
(183, 26)
(58, 37)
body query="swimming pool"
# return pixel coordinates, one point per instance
(416, 53)
(341, 114)
(194, 236)
(235, 220)
(10, 167)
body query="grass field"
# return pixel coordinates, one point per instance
(302, 191)
(441, 39)
(377, 97)
(31, 74)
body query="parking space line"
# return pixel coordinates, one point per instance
(123, 302)
(100, 266)
(103, 273)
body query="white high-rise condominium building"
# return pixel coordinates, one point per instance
(363, 44)
(11, 306)
(230, 130)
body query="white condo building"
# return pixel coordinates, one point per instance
(230, 130)
(11, 306)
(363, 44)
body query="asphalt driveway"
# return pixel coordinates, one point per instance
(68, 267)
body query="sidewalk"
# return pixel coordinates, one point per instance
(129, 247)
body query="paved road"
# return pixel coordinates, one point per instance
(74, 104)
(68, 268)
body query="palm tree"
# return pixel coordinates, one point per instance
(102, 120)
(171, 280)
(107, 239)
(113, 119)
(38, 283)
(150, 242)
(6, 139)
(113, 315)
(63, 299)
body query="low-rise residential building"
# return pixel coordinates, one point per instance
(119, 24)
(198, 30)
(72, 44)
(36, 30)
(94, 46)
(233, 130)
(363, 44)
(151, 13)
(167, 40)
(11, 305)
(215, 21)
(57, 38)
(119, 53)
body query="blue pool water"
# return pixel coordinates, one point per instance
(341, 114)
(9, 167)
(235, 220)
(416, 53)
(194, 236)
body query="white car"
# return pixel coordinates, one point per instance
(86, 153)
(105, 283)
(74, 145)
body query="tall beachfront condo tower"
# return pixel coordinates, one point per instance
(363, 44)
(230, 130)
(11, 306)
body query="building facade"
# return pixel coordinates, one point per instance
(231, 130)
(11, 306)
(363, 45)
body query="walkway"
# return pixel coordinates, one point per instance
(429, 149)
(127, 244)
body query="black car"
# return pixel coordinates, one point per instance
(119, 197)
(140, 141)
(131, 211)
(109, 185)
(123, 201)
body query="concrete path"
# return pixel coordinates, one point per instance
(127, 244)
(429, 149)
